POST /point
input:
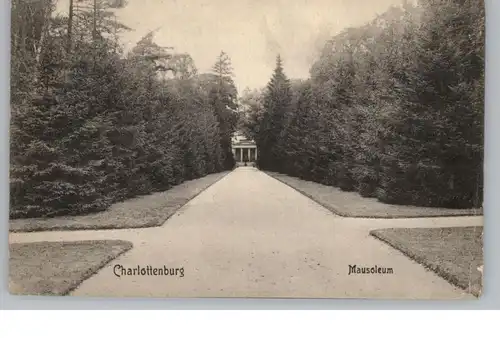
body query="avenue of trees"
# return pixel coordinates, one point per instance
(392, 109)
(90, 126)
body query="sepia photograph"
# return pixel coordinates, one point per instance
(247, 148)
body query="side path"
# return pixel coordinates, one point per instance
(250, 235)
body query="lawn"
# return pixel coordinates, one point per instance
(453, 253)
(351, 204)
(56, 268)
(140, 212)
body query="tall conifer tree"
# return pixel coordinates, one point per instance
(276, 105)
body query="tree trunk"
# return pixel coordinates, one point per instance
(70, 27)
(94, 30)
(39, 46)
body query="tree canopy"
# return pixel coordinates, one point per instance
(90, 127)
(393, 109)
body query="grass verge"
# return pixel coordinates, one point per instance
(57, 268)
(351, 204)
(139, 212)
(453, 253)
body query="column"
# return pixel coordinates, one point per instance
(241, 154)
(255, 154)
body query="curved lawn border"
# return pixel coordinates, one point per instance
(161, 215)
(57, 268)
(420, 259)
(337, 211)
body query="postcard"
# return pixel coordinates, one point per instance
(247, 148)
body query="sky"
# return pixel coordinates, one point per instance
(251, 32)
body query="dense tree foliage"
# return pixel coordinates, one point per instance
(393, 109)
(251, 107)
(277, 101)
(224, 101)
(90, 126)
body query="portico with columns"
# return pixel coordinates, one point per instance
(244, 150)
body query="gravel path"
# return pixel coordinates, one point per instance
(250, 235)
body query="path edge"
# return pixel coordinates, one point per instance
(343, 214)
(91, 272)
(417, 259)
(127, 246)
(324, 205)
(84, 227)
